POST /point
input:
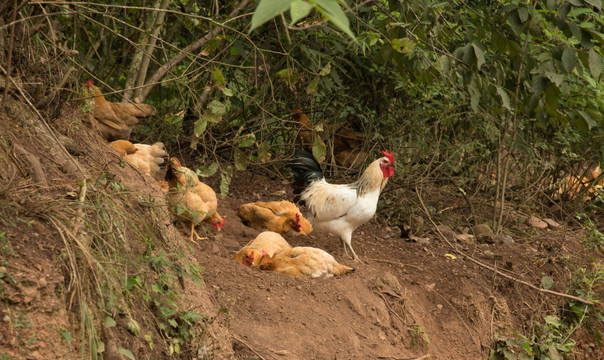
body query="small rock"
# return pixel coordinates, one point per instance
(299, 287)
(505, 239)
(489, 253)
(42, 282)
(215, 249)
(439, 307)
(420, 240)
(481, 230)
(537, 223)
(551, 223)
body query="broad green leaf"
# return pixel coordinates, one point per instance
(284, 73)
(589, 120)
(207, 170)
(109, 322)
(219, 78)
(575, 30)
(199, 127)
(552, 320)
(268, 9)
(555, 78)
(225, 180)
(326, 70)
(595, 64)
(505, 99)
(313, 85)
(173, 323)
(554, 354)
(263, 152)
(227, 92)
(569, 59)
(444, 64)
(539, 84)
(403, 45)
(552, 98)
(298, 10)
(547, 282)
(240, 159)
(333, 12)
(596, 3)
(247, 140)
(479, 53)
(318, 149)
(127, 353)
(217, 108)
(523, 14)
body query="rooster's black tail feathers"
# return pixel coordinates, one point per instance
(305, 169)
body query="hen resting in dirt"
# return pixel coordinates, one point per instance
(116, 120)
(268, 242)
(146, 158)
(278, 216)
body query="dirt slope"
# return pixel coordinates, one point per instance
(408, 300)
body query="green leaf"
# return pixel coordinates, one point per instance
(268, 9)
(596, 3)
(263, 152)
(227, 92)
(547, 282)
(247, 140)
(595, 64)
(555, 78)
(240, 160)
(191, 316)
(109, 322)
(479, 55)
(225, 180)
(325, 70)
(313, 85)
(552, 320)
(199, 127)
(207, 170)
(523, 14)
(505, 99)
(331, 10)
(217, 108)
(173, 323)
(298, 10)
(284, 73)
(219, 78)
(589, 120)
(318, 149)
(407, 45)
(569, 59)
(127, 353)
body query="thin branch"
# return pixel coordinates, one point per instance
(164, 69)
(461, 253)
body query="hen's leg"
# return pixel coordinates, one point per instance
(196, 234)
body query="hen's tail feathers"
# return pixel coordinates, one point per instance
(305, 169)
(340, 269)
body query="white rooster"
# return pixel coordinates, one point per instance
(340, 208)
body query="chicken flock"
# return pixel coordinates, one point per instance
(333, 208)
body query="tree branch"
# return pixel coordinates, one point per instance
(164, 69)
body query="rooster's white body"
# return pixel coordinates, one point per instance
(341, 208)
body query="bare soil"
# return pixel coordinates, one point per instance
(407, 300)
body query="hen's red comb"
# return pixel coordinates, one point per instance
(390, 156)
(88, 83)
(298, 218)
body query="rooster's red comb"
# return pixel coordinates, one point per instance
(389, 155)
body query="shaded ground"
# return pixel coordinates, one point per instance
(408, 300)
